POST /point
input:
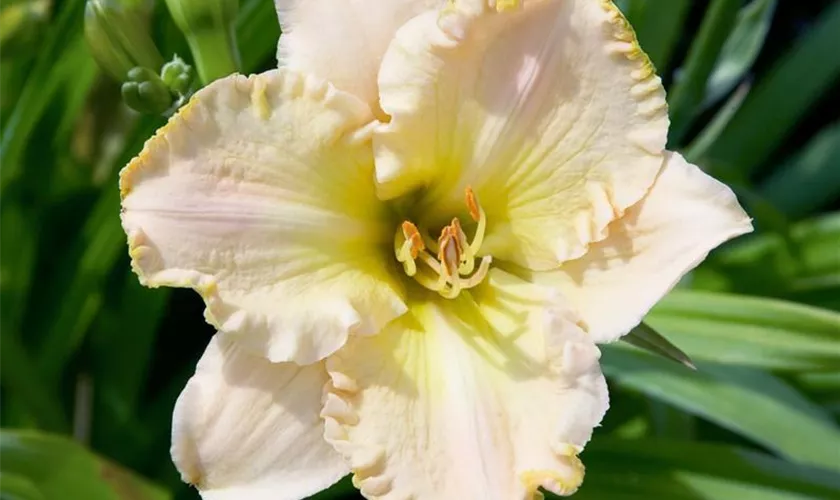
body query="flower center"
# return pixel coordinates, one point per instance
(448, 264)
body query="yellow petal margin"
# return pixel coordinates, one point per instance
(258, 195)
(490, 395)
(550, 111)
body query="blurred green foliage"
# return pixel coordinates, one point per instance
(92, 362)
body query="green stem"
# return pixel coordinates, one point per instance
(215, 53)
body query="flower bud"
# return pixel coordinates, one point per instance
(209, 28)
(177, 75)
(20, 25)
(146, 92)
(117, 38)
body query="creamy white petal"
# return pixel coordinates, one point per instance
(343, 40)
(258, 194)
(552, 113)
(488, 398)
(685, 215)
(247, 428)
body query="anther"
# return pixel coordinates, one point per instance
(411, 246)
(472, 204)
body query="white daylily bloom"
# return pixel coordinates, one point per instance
(444, 273)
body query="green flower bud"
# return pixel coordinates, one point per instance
(20, 25)
(209, 28)
(117, 38)
(144, 91)
(177, 75)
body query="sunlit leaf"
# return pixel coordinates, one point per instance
(749, 331)
(741, 48)
(743, 400)
(782, 97)
(61, 468)
(632, 469)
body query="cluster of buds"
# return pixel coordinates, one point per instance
(118, 37)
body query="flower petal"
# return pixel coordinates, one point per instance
(343, 42)
(258, 194)
(685, 215)
(247, 428)
(552, 113)
(487, 398)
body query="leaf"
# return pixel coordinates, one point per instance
(26, 385)
(40, 88)
(658, 26)
(779, 100)
(61, 468)
(646, 338)
(15, 487)
(652, 468)
(811, 179)
(746, 401)
(741, 48)
(686, 94)
(75, 295)
(749, 331)
(257, 32)
(804, 267)
(710, 133)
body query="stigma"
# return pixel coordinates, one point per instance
(448, 264)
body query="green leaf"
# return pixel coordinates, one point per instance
(61, 468)
(710, 133)
(648, 468)
(749, 330)
(803, 267)
(15, 487)
(749, 402)
(27, 386)
(811, 179)
(40, 88)
(779, 100)
(646, 338)
(687, 93)
(81, 272)
(257, 32)
(658, 26)
(741, 48)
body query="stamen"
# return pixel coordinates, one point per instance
(411, 234)
(452, 270)
(478, 215)
(411, 246)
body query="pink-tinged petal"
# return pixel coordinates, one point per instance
(343, 41)
(490, 395)
(247, 428)
(258, 195)
(686, 214)
(551, 112)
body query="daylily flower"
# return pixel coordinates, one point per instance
(417, 299)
